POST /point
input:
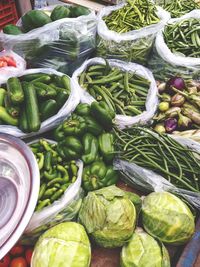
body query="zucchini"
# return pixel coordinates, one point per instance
(76, 11)
(34, 76)
(12, 29)
(13, 110)
(44, 90)
(48, 109)
(15, 90)
(61, 99)
(31, 107)
(23, 122)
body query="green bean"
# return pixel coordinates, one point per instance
(187, 40)
(161, 154)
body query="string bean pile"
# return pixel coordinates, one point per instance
(124, 92)
(161, 154)
(178, 8)
(135, 15)
(183, 37)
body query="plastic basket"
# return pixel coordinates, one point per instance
(8, 12)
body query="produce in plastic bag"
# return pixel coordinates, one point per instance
(65, 244)
(43, 115)
(178, 8)
(143, 249)
(59, 198)
(136, 44)
(144, 76)
(62, 44)
(17, 65)
(167, 218)
(160, 165)
(164, 63)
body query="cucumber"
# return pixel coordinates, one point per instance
(45, 91)
(15, 90)
(13, 110)
(61, 99)
(48, 109)
(43, 79)
(23, 123)
(31, 107)
(66, 82)
(12, 29)
(2, 96)
(34, 76)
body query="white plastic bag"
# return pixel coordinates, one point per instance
(122, 120)
(131, 46)
(64, 209)
(69, 106)
(9, 71)
(63, 44)
(147, 180)
(165, 64)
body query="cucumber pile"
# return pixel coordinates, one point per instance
(27, 101)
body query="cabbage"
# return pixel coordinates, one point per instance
(167, 218)
(143, 250)
(65, 244)
(109, 216)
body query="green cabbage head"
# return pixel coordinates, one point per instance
(109, 216)
(65, 244)
(143, 250)
(167, 218)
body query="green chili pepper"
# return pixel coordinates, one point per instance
(41, 160)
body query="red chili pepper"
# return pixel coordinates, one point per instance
(3, 64)
(5, 261)
(9, 60)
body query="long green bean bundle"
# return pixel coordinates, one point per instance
(178, 8)
(183, 37)
(161, 154)
(135, 15)
(124, 92)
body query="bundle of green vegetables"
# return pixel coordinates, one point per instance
(56, 174)
(87, 135)
(178, 8)
(124, 92)
(182, 37)
(27, 101)
(178, 164)
(37, 18)
(134, 15)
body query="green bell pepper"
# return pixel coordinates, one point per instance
(98, 175)
(103, 114)
(106, 146)
(70, 148)
(90, 145)
(82, 109)
(59, 133)
(75, 125)
(92, 126)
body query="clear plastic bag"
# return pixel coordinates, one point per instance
(63, 44)
(165, 64)
(132, 46)
(7, 72)
(122, 120)
(50, 123)
(64, 209)
(147, 180)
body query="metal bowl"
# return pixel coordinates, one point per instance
(19, 188)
